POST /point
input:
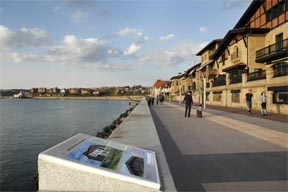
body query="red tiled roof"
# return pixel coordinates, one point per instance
(161, 84)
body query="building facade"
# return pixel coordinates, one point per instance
(252, 55)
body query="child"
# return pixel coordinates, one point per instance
(199, 111)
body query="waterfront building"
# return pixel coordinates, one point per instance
(176, 92)
(75, 91)
(34, 90)
(42, 90)
(161, 87)
(53, 90)
(86, 91)
(252, 55)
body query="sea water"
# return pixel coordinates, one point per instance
(29, 126)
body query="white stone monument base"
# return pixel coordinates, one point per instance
(86, 163)
(57, 177)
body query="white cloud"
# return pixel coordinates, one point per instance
(133, 32)
(79, 17)
(24, 38)
(17, 57)
(89, 52)
(133, 49)
(203, 30)
(128, 31)
(34, 45)
(146, 38)
(177, 55)
(167, 37)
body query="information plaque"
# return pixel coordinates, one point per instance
(107, 158)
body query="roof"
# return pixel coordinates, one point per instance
(177, 76)
(212, 43)
(253, 7)
(161, 84)
(191, 69)
(230, 36)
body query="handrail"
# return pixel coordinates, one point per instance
(271, 49)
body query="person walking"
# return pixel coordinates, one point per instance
(248, 99)
(263, 100)
(188, 100)
(161, 98)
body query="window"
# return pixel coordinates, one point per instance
(276, 11)
(279, 39)
(207, 96)
(280, 97)
(193, 86)
(235, 97)
(280, 69)
(217, 97)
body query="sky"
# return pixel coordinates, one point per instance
(91, 43)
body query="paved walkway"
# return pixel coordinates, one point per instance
(222, 151)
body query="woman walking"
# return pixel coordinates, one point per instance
(263, 100)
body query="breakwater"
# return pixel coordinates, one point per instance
(106, 131)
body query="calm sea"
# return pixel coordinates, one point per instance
(29, 127)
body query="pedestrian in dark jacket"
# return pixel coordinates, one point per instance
(248, 100)
(188, 100)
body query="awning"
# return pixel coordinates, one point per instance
(239, 66)
(278, 88)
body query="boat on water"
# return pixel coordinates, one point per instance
(20, 95)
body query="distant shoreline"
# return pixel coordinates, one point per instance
(119, 98)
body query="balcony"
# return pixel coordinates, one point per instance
(280, 69)
(236, 79)
(258, 75)
(236, 57)
(272, 52)
(219, 81)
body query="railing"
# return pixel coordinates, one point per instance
(280, 70)
(235, 79)
(261, 74)
(272, 49)
(219, 81)
(236, 56)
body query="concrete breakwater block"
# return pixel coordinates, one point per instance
(87, 163)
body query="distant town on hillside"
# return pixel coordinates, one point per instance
(55, 91)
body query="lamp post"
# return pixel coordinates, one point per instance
(204, 89)
(180, 93)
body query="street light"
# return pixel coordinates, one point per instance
(204, 89)
(180, 93)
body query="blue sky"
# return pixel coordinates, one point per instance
(90, 43)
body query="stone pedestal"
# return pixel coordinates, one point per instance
(86, 163)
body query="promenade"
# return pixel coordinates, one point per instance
(224, 150)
